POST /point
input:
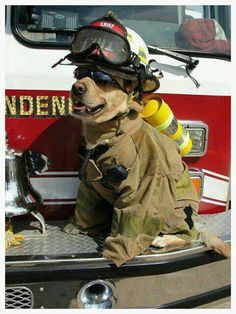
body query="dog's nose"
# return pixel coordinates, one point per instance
(79, 88)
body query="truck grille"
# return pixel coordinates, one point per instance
(18, 298)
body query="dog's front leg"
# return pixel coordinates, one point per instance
(92, 213)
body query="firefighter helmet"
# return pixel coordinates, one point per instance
(107, 44)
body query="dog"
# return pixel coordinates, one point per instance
(135, 182)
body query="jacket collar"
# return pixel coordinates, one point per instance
(108, 133)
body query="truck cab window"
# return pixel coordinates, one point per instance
(204, 29)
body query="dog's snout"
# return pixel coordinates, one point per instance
(79, 88)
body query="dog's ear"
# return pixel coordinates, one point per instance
(151, 85)
(130, 85)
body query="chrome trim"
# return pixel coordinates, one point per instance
(196, 125)
(59, 203)
(59, 173)
(193, 248)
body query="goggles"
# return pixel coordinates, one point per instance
(108, 45)
(99, 77)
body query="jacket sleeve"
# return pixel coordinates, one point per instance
(138, 218)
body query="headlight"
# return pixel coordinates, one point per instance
(97, 294)
(198, 132)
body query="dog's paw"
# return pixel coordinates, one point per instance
(72, 229)
(159, 242)
(168, 241)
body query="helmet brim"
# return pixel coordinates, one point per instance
(114, 72)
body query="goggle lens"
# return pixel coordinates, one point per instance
(114, 48)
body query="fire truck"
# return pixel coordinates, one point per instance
(51, 269)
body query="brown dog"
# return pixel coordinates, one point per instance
(136, 183)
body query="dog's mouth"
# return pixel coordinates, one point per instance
(84, 110)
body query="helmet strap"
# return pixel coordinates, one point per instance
(141, 78)
(140, 71)
(131, 96)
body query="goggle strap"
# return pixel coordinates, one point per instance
(134, 60)
(140, 95)
(142, 78)
(60, 61)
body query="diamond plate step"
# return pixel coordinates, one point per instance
(57, 243)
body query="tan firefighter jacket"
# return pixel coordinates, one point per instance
(156, 198)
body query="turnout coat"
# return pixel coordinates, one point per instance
(157, 196)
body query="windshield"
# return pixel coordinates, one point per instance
(192, 28)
